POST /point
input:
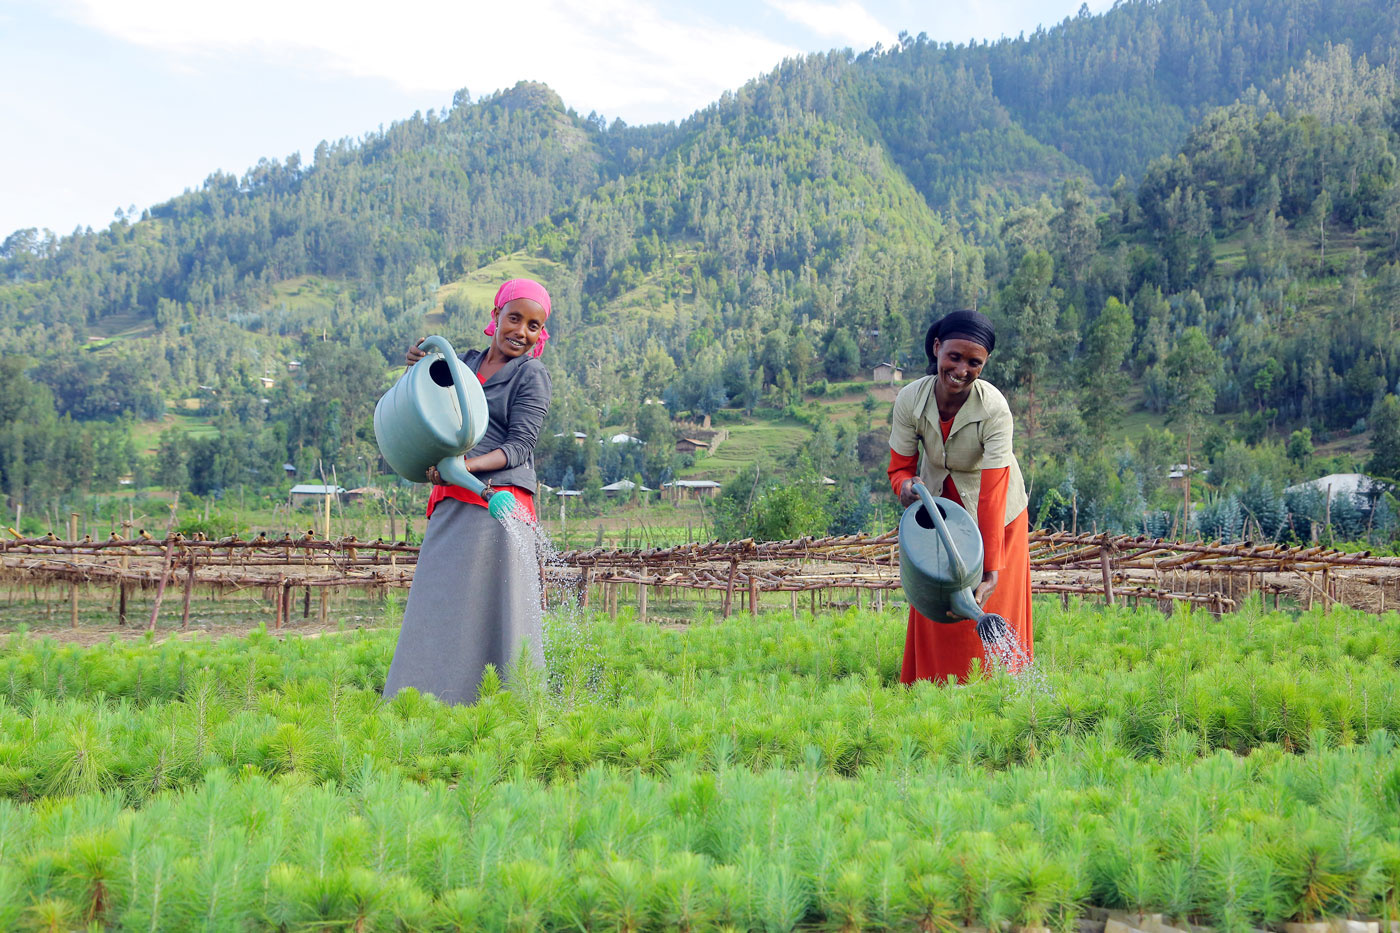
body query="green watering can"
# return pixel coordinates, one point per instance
(432, 416)
(940, 562)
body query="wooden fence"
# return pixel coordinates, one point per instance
(1115, 568)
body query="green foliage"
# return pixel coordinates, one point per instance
(764, 773)
(1385, 438)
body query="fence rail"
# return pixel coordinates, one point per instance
(1114, 568)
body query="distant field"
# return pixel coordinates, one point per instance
(147, 433)
(120, 327)
(304, 293)
(480, 286)
(747, 443)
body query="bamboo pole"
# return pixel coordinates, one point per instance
(729, 589)
(73, 587)
(189, 591)
(1107, 567)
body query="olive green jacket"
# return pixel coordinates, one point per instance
(980, 439)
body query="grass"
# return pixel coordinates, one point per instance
(116, 327)
(146, 434)
(762, 442)
(307, 293)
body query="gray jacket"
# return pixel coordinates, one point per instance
(517, 397)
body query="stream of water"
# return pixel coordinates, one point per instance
(573, 661)
(1006, 653)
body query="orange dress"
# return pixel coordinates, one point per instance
(939, 650)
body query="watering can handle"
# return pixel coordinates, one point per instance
(459, 372)
(942, 527)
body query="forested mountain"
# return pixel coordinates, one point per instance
(1112, 189)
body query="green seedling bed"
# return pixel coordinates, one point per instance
(748, 774)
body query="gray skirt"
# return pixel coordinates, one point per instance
(475, 601)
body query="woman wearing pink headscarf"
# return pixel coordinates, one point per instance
(475, 595)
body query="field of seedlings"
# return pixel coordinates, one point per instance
(748, 774)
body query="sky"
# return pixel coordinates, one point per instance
(120, 104)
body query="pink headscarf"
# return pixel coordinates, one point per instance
(521, 288)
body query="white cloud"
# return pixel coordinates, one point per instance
(846, 21)
(620, 57)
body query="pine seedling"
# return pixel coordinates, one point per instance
(1175, 883)
(1236, 891)
(848, 904)
(220, 884)
(80, 760)
(91, 861)
(1032, 879)
(627, 894)
(52, 915)
(1314, 875)
(490, 684)
(291, 748)
(889, 902)
(297, 897)
(973, 862)
(683, 894)
(783, 896)
(460, 910)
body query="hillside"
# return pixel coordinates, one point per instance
(1103, 188)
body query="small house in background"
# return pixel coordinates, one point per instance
(315, 493)
(622, 487)
(1176, 476)
(690, 445)
(1358, 485)
(567, 493)
(888, 372)
(290, 469)
(293, 365)
(692, 489)
(267, 382)
(624, 439)
(828, 481)
(361, 493)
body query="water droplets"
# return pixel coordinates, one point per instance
(572, 658)
(1006, 653)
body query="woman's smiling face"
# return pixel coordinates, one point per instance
(518, 327)
(960, 362)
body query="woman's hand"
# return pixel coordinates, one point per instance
(434, 476)
(986, 588)
(415, 353)
(907, 495)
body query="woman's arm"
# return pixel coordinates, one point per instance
(904, 448)
(525, 418)
(529, 402)
(997, 457)
(991, 522)
(903, 471)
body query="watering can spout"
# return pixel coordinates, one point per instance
(499, 502)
